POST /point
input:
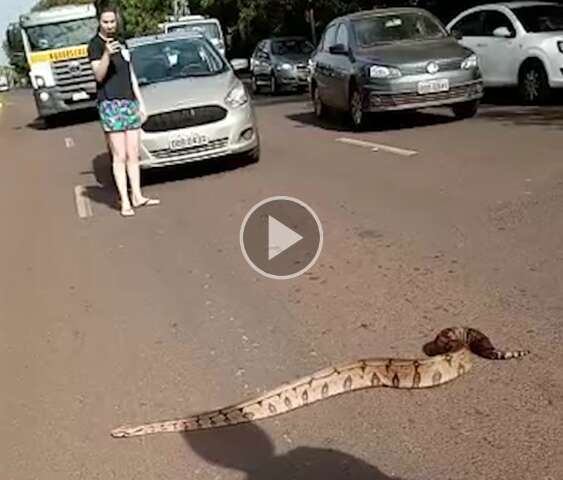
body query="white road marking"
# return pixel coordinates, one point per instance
(375, 147)
(69, 142)
(83, 205)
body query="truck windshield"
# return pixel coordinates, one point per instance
(60, 35)
(207, 28)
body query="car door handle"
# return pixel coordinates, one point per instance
(482, 45)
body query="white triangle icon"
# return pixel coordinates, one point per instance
(280, 237)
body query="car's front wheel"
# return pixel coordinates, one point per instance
(356, 109)
(466, 109)
(255, 86)
(320, 109)
(254, 155)
(274, 87)
(533, 84)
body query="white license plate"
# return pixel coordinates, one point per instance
(80, 96)
(433, 86)
(179, 142)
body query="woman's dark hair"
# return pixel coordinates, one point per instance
(105, 6)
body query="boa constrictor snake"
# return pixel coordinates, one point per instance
(449, 356)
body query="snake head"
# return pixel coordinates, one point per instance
(446, 341)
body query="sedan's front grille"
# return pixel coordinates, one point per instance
(166, 153)
(446, 65)
(410, 98)
(187, 117)
(73, 76)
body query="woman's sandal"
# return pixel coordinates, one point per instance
(148, 202)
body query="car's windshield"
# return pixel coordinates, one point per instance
(291, 46)
(61, 35)
(173, 59)
(206, 28)
(540, 18)
(392, 28)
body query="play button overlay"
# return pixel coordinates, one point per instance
(281, 237)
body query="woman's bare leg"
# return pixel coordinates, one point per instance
(118, 145)
(133, 170)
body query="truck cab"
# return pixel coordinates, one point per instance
(56, 49)
(211, 27)
(4, 83)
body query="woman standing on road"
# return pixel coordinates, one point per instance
(121, 108)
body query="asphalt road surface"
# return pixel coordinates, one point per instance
(107, 320)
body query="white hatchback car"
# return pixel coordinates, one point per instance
(517, 43)
(198, 109)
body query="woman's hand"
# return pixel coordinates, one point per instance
(112, 47)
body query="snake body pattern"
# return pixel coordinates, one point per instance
(449, 357)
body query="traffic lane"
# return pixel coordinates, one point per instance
(339, 343)
(446, 238)
(113, 339)
(378, 208)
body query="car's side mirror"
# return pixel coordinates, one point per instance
(338, 49)
(502, 32)
(457, 34)
(239, 64)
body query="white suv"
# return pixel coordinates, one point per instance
(517, 43)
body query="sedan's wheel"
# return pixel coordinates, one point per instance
(466, 109)
(533, 84)
(356, 110)
(274, 85)
(255, 86)
(320, 109)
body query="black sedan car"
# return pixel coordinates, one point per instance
(392, 59)
(281, 63)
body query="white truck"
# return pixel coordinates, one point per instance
(56, 48)
(4, 83)
(211, 27)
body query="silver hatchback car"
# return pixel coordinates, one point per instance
(393, 59)
(197, 107)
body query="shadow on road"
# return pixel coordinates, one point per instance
(106, 191)
(525, 116)
(193, 170)
(376, 122)
(247, 448)
(509, 97)
(68, 119)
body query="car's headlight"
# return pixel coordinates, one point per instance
(470, 62)
(237, 97)
(40, 81)
(285, 66)
(380, 71)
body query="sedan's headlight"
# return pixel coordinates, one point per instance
(237, 97)
(380, 71)
(285, 66)
(470, 62)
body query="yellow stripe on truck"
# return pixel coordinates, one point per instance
(59, 54)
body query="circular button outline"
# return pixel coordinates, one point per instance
(311, 212)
